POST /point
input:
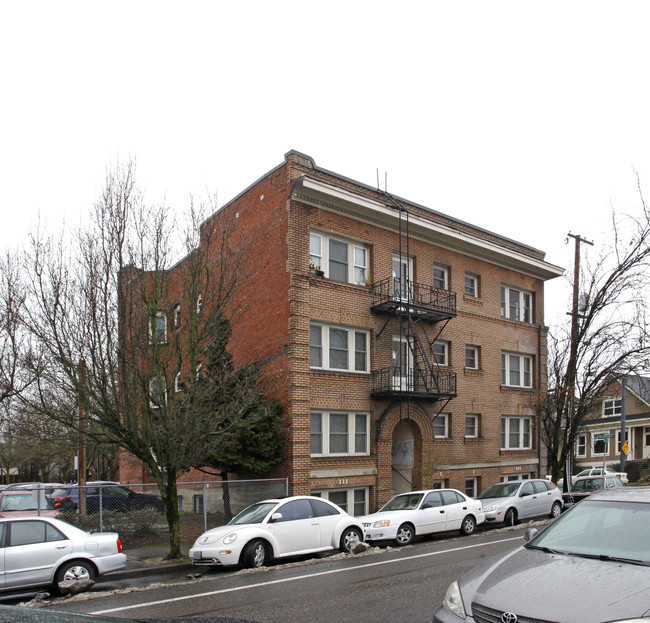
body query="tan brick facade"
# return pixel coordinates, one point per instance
(274, 218)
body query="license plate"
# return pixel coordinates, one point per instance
(196, 555)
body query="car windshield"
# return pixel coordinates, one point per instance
(26, 502)
(253, 514)
(600, 529)
(589, 484)
(406, 502)
(502, 490)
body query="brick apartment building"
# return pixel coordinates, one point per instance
(407, 347)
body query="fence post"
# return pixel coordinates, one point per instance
(101, 509)
(205, 506)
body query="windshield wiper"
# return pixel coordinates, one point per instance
(542, 548)
(608, 558)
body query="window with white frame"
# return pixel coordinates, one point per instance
(471, 425)
(158, 329)
(471, 357)
(515, 433)
(176, 315)
(338, 348)
(440, 277)
(581, 446)
(611, 406)
(516, 304)
(441, 352)
(599, 447)
(516, 370)
(339, 259)
(471, 487)
(339, 433)
(157, 393)
(353, 501)
(441, 426)
(471, 285)
(177, 382)
(509, 477)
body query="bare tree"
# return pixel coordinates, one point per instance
(13, 345)
(122, 327)
(611, 338)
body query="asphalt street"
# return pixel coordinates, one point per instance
(384, 585)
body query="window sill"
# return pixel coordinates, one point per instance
(473, 371)
(512, 388)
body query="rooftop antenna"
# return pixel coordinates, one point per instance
(386, 181)
(377, 178)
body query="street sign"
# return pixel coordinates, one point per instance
(603, 436)
(626, 448)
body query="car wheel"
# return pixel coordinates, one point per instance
(468, 526)
(75, 570)
(254, 554)
(405, 534)
(556, 510)
(511, 517)
(349, 537)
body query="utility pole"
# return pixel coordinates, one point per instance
(81, 474)
(573, 354)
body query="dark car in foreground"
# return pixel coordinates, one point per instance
(108, 496)
(599, 550)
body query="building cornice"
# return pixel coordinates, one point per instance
(328, 197)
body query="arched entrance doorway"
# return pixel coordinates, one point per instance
(403, 457)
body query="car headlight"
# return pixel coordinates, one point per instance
(489, 509)
(230, 538)
(454, 601)
(382, 523)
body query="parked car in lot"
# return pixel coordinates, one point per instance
(603, 540)
(24, 503)
(412, 514)
(43, 551)
(508, 502)
(109, 496)
(584, 487)
(596, 471)
(276, 529)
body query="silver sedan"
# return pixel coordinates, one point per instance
(43, 551)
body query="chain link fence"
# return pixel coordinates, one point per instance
(136, 512)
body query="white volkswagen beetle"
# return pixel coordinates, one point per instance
(423, 512)
(275, 529)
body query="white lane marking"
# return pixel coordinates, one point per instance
(299, 577)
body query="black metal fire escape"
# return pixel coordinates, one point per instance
(421, 313)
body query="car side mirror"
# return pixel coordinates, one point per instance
(276, 516)
(530, 533)
(426, 505)
(523, 494)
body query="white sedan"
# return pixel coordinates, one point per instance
(422, 512)
(276, 529)
(43, 551)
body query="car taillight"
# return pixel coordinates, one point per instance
(119, 545)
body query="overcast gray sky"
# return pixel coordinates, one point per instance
(525, 118)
